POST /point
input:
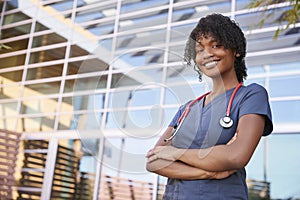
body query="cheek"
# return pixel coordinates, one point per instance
(198, 59)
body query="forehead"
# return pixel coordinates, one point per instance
(205, 39)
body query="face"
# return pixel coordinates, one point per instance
(213, 59)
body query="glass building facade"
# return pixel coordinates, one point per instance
(105, 77)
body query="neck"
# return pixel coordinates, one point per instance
(220, 86)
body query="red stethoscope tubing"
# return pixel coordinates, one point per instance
(187, 110)
(232, 97)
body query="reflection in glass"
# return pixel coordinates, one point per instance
(44, 72)
(10, 77)
(142, 39)
(88, 65)
(15, 31)
(179, 94)
(38, 106)
(80, 122)
(40, 27)
(47, 39)
(15, 17)
(12, 61)
(129, 6)
(40, 89)
(15, 46)
(9, 92)
(47, 55)
(83, 102)
(139, 58)
(85, 84)
(36, 124)
(137, 123)
(281, 86)
(199, 8)
(8, 109)
(77, 51)
(9, 123)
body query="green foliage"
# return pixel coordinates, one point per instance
(3, 46)
(288, 18)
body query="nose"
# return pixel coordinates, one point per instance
(207, 53)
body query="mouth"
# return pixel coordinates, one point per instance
(210, 64)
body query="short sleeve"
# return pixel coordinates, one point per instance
(177, 115)
(256, 101)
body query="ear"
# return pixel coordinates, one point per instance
(237, 55)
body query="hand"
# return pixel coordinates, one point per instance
(164, 152)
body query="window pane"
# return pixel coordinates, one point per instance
(9, 124)
(77, 51)
(14, 76)
(139, 58)
(86, 66)
(197, 9)
(85, 84)
(8, 109)
(10, 92)
(279, 147)
(16, 31)
(40, 89)
(286, 111)
(80, 122)
(39, 106)
(84, 102)
(279, 86)
(44, 72)
(15, 46)
(15, 17)
(40, 27)
(36, 124)
(143, 39)
(47, 39)
(47, 55)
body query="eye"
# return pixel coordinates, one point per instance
(217, 46)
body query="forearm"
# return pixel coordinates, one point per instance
(179, 170)
(176, 170)
(235, 155)
(217, 158)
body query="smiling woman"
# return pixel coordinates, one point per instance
(206, 160)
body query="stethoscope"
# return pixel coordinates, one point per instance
(225, 122)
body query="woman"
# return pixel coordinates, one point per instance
(205, 160)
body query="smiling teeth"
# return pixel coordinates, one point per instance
(210, 64)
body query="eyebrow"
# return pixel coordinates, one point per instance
(198, 43)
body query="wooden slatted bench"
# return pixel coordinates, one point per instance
(9, 147)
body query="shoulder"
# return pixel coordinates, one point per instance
(254, 89)
(253, 94)
(183, 106)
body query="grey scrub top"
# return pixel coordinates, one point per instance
(201, 129)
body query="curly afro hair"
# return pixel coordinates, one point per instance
(227, 33)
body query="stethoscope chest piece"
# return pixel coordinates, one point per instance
(226, 122)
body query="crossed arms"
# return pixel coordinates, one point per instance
(212, 163)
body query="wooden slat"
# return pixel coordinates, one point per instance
(9, 147)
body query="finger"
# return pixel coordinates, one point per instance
(150, 153)
(152, 158)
